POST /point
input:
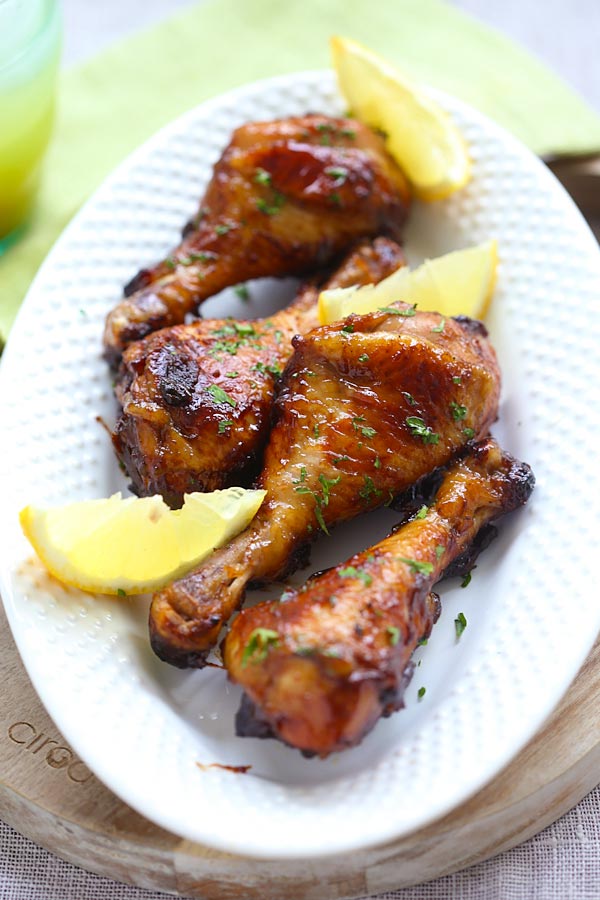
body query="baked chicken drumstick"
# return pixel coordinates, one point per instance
(367, 406)
(286, 197)
(196, 399)
(323, 666)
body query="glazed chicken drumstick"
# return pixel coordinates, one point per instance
(323, 666)
(367, 406)
(286, 197)
(196, 399)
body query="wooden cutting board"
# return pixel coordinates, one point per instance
(49, 795)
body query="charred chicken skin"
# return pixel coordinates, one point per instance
(367, 406)
(196, 399)
(286, 198)
(324, 665)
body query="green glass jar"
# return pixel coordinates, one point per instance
(29, 56)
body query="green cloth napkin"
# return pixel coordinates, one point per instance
(112, 103)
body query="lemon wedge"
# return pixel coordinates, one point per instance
(133, 545)
(459, 283)
(421, 136)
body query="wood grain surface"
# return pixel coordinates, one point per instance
(49, 795)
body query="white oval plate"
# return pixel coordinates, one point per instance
(531, 609)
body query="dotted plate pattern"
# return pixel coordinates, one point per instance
(532, 616)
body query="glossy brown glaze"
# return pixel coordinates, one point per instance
(324, 665)
(173, 436)
(285, 198)
(367, 406)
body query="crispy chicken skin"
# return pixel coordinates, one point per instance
(367, 406)
(286, 197)
(324, 665)
(177, 433)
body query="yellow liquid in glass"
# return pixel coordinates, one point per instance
(27, 95)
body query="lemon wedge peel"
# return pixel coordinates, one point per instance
(134, 545)
(421, 136)
(459, 283)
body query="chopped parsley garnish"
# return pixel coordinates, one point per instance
(468, 433)
(421, 693)
(336, 199)
(353, 572)
(393, 311)
(271, 209)
(377, 463)
(394, 634)
(219, 395)
(224, 424)
(466, 580)
(348, 329)
(271, 368)
(363, 357)
(316, 431)
(365, 430)
(422, 512)
(327, 484)
(458, 411)
(423, 642)
(340, 459)
(224, 331)
(338, 172)
(325, 130)
(277, 336)
(368, 490)
(320, 519)
(321, 499)
(409, 397)
(242, 291)
(121, 592)
(230, 347)
(460, 623)
(244, 328)
(170, 262)
(439, 328)
(439, 551)
(416, 565)
(191, 258)
(259, 643)
(222, 229)
(302, 476)
(418, 428)
(262, 177)
(232, 374)
(456, 379)
(348, 132)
